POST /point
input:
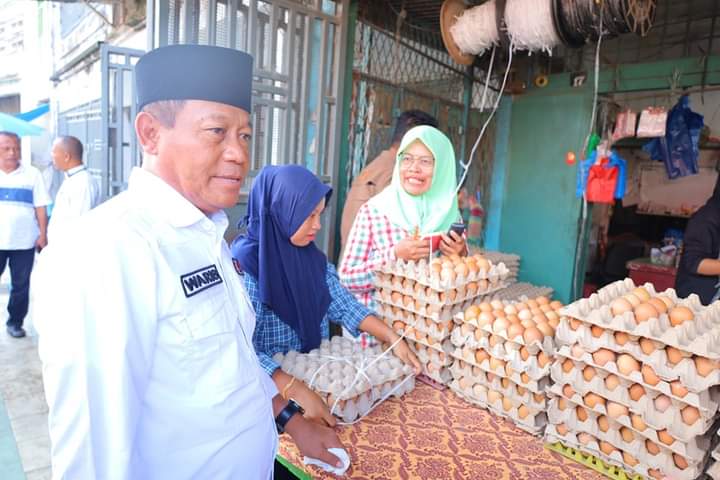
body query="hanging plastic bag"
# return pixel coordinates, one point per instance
(624, 125)
(621, 164)
(679, 147)
(602, 182)
(652, 122)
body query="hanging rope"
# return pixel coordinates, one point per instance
(475, 31)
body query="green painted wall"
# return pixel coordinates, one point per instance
(539, 215)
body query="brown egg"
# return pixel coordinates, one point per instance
(500, 325)
(642, 294)
(546, 329)
(409, 300)
(496, 364)
(575, 324)
(524, 315)
(704, 366)
(396, 297)
(603, 356)
(524, 377)
(603, 423)
(485, 307)
(629, 459)
(523, 411)
(485, 318)
(637, 391)
(524, 353)
(649, 375)
(678, 389)
(532, 334)
(538, 397)
(505, 382)
(644, 312)
(577, 351)
(568, 366)
(521, 391)
(515, 330)
(674, 355)
(542, 359)
(538, 319)
(588, 373)
(627, 364)
(398, 326)
(554, 322)
(606, 447)
(495, 340)
(658, 304)
(568, 391)
(462, 270)
(621, 338)
(513, 319)
(507, 404)
(616, 410)
(561, 429)
(668, 303)
(597, 331)
(478, 334)
(585, 438)
(542, 300)
(546, 309)
(680, 461)
(656, 474)
(593, 399)
(611, 382)
(632, 299)
(581, 413)
(556, 305)
(465, 383)
(499, 313)
(690, 415)
(637, 422)
(665, 437)
(651, 447)
(521, 306)
(662, 403)
(620, 306)
(472, 312)
(647, 346)
(627, 435)
(532, 303)
(527, 323)
(494, 396)
(562, 404)
(679, 315)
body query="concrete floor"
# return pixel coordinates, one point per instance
(25, 444)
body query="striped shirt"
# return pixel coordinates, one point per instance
(370, 245)
(272, 335)
(21, 192)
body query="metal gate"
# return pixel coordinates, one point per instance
(297, 46)
(118, 142)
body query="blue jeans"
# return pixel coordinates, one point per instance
(21, 263)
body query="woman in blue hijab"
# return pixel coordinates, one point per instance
(294, 289)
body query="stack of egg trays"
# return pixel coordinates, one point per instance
(336, 360)
(422, 307)
(589, 326)
(511, 261)
(518, 292)
(487, 361)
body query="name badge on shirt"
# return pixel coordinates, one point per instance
(199, 280)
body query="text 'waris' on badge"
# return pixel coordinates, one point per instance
(199, 280)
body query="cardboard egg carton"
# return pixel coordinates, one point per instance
(422, 272)
(435, 312)
(504, 350)
(670, 420)
(439, 331)
(685, 370)
(477, 376)
(501, 369)
(534, 421)
(694, 453)
(351, 378)
(547, 344)
(706, 401)
(700, 336)
(518, 292)
(661, 462)
(421, 293)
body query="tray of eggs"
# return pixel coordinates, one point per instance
(421, 338)
(476, 376)
(434, 362)
(349, 378)
(661, 361)
(659, 465)
(388, 285)
(630, 371)
(518, 292)
(445, 272)
(531, 420)
(493, 365)
(660, 411)
(436, 331)
(537, 365)
(684, 324)
(436, 312)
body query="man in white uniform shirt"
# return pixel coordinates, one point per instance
(23, 223)
(79, 191)
(145, 326)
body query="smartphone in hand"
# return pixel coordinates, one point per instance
(458, 228)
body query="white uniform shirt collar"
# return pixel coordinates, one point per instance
(72, 171)
(18, 170)
(165, 202)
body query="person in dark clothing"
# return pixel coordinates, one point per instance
(699, 270)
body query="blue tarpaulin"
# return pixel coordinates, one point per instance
(31, 115)
(8, 123)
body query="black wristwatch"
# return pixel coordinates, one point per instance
(286, 414)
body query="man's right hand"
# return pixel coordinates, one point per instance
(314, 440)
(412, 249)
(314, 406)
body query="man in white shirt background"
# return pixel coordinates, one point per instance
(23, 225)
(79, 192)
(145, 328)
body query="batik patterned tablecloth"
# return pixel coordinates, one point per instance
(435, 435)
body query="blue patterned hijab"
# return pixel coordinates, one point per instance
(291, 280)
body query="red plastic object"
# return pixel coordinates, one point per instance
(642, 271)
(601, 183)
(435, 239)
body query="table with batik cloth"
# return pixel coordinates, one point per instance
(435, 435)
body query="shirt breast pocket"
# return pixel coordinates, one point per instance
(217, 354)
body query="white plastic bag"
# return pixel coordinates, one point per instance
(652, 122)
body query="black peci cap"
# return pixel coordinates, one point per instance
(194, 72)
